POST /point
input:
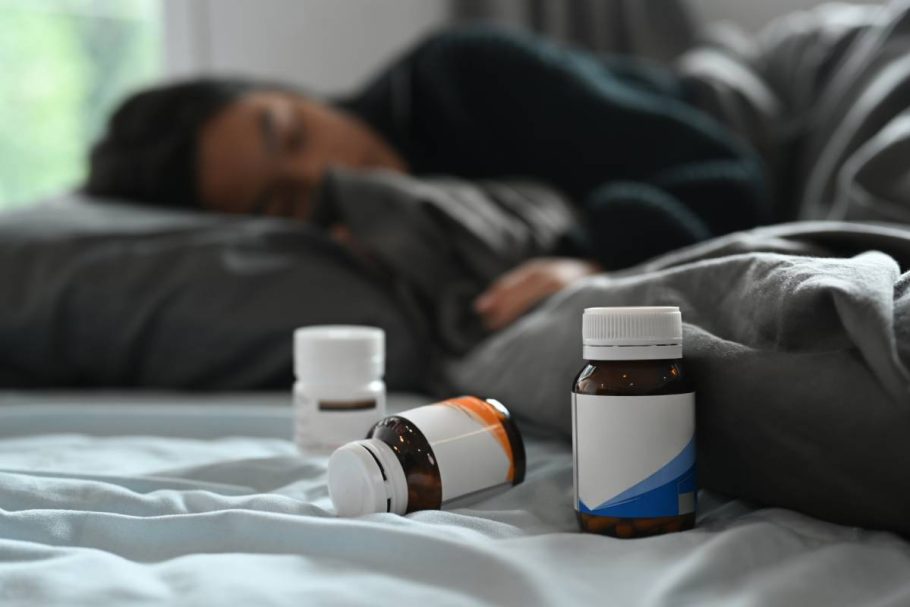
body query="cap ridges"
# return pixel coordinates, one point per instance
(632, 326)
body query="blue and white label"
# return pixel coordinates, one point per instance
(634, 455)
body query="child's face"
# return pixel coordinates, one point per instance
(267, 152)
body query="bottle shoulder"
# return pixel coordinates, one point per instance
(633, 378)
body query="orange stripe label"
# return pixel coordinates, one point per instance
(491, 419)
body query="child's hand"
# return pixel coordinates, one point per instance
(522, 287)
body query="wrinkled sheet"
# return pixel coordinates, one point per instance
(798, 340)
(202, 500)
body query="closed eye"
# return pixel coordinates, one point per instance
(296, 138)
(286, 201)
(265, 201)
(287, 207)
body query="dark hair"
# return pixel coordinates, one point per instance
(148, 153)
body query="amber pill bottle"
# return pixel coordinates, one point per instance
(428, 457)
(633, 425)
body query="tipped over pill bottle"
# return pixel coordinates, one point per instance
(424, 458)
(633, 425)
(339, 394)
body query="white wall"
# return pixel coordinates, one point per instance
(328, 46)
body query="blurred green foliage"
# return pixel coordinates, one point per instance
(64, 64)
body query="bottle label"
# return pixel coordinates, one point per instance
(347, 405)
(634, 455)
(324, 424)
(469, 443)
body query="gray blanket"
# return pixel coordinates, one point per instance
(823, 94)
(798, 337)
(802, 364)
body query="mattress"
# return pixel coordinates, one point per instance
(143, 498)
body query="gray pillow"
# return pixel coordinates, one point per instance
(108, 294)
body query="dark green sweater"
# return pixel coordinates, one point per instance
(649, 171)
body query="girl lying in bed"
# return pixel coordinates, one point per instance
(648, 171)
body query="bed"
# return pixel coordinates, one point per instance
(141, 497)
(197, 496)
(189, 497)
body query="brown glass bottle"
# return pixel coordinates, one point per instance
(473, 443)
(633, 378)
(633, 424)
(414, 453)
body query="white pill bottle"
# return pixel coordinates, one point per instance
(340, 393)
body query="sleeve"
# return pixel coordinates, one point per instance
(443, 240)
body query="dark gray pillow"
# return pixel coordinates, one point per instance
(107, 294)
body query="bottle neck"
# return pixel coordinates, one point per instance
(394, 481)
(632, 352)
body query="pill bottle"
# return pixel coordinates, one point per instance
(428, 457)
(339, 394)
(633, 424)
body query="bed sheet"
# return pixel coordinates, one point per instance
(131, 499)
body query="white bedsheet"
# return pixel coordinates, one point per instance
(129, 500)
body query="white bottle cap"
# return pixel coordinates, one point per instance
(366, 477)
(632, 333)
(336, 354)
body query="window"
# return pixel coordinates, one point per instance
(65, 65)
